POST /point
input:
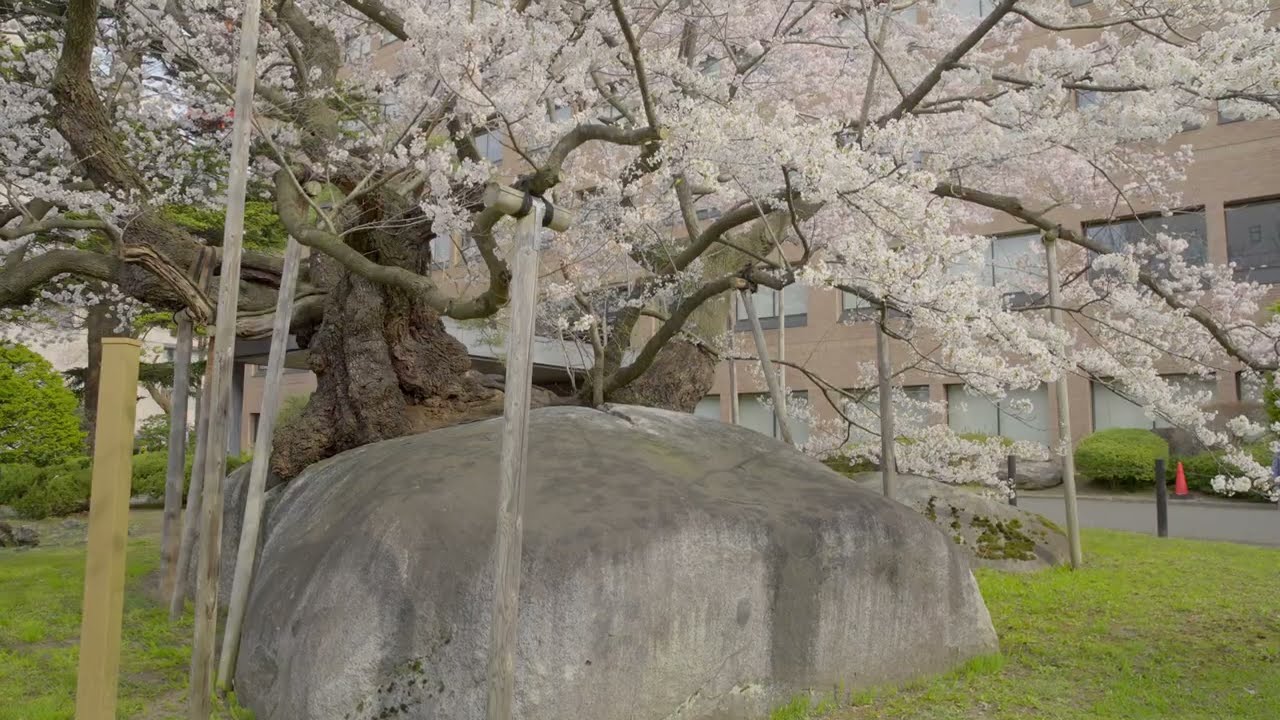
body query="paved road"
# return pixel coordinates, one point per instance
(1255, 524)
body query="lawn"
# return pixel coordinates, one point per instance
(1167, 629)
(1160, 629)
(40, 596)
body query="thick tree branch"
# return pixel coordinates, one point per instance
(293, 206)
(19, 282)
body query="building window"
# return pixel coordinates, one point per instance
(489, 145)
(441, 252)
(1016, 264)
(708, 407)
(358, 47)
(1253, 240)
(1116, 235)
(1250, 388)
(1088, 99)
(254, 419)
(1112, 410)
(972, 413)
(1226, 115)
(755, 412)
(969, 8)
(169, 352)
(795, 301)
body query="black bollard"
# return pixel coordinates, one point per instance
(1013, 471)
(1162, 501)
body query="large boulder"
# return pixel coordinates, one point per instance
(992, 532)
(1034, 474)
(235, 492)
(673, 567)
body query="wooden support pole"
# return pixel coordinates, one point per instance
(884, 368)
(515, 449)
(770, 377)
(191, 518)
(200, 693)
(253, 504)
(1064, 409)
(735, 412)
(176, 472)
(99, 668)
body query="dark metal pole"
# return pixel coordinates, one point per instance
(1162, 501)
(1013, 472)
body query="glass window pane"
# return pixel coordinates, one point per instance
(971, 413)
(1253, 240)
(1031, 426)
(490, 147)
(1018, 262)
(795, 299)
(754, 414)
(441, 251)
(1189, 225)
(708, 407)
(763, 301)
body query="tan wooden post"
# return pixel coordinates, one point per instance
(108, 531)
(1064, 409)
(770, 377)
(515, 439)
(200, 692)
(734, 408)
(251, 526)
(171, 533)
(191, 518)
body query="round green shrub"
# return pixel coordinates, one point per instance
(1122, 458)
(149, 473)
(15, 480)
(55, 490)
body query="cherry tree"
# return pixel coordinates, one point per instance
(705, 146)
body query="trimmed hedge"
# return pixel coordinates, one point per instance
(1122, 458)
(1203, 467)
(38, 492)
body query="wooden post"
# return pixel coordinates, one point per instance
(108, 531)
(191, 518)
(888, 462)
(770, 377)
(176, 472)
(782, 339)
(734, 411)
(200, 693)
(1064, 409)
(253, 503)
(515, 440)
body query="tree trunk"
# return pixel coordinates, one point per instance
(385, 367)
(681, 375)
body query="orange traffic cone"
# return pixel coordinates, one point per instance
(1180, 483)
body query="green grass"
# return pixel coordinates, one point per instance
(1159, 629)
(40, 597)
